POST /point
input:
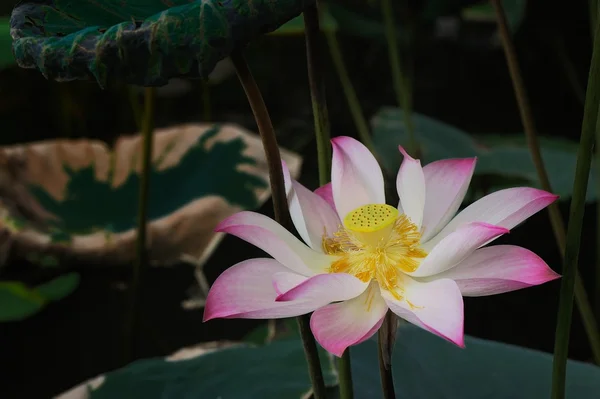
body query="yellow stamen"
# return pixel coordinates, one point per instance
(376, 243)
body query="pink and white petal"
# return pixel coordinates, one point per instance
(356, 178)
(410, 183)
(435, 306)
(326, 193)
(505, 208)
(456, 246)
(285, 281)
(446, 183)
(271, 237)
(499, 269)
(311, 215)
(245, 290)
(333, 286)
(340, 325)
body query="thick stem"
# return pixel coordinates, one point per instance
(593, 4)
(385, 365)
(351, 97)
(267, 134)
(280, 206)
(136, 110)
(401, 86)
(141, 255)
(312, 357)
(316, 80)
(556, 220)
(565, 307)
(345, 372)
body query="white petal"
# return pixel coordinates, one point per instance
(246, 291)
(456, 247)
(325, 192)
(335, 286)
(356, 177)
(340, 325)
(498, 269)
(436, 306)
(285, 281)
(272, 238)
(446, 183)
(311, 214)
(410, 183)
(506, 208)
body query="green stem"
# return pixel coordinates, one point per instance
(280, 206)
(316, 80)
(312, 357)
(593, 19)
(565, 308)
(345, 372)
(141, 255)
(384, 350)
(401, 86)
(590, 125)
(351, 97)
(135, 106)
(593, 4)
(556, 220)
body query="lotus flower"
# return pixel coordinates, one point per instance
(363, 257)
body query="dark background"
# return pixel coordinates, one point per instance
(464, 85)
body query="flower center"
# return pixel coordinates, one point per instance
(376, 242)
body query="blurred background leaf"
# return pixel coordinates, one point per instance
(295, 26)
(503, 159)
(6, 55)
(425, 366)
(18, 301)
(273, 371)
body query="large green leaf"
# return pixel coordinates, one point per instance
(18, 301)
(355, 23)
(6, 56)
(507, 155)
(503, 159)
(205, 169)
(274, 371)
(295, 26)
(437, 140)
(60, 287)
(484, 12)
(143, 42)
(81, 195)
(425, 366)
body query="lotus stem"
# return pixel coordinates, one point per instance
(316, 81)
(280, 206)
(593, 4)
(136, 110)
(349, 92)
(401, 86)
(556, 220)
(385, 365)
(565, 307)
(141, 255)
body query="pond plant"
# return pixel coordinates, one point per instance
(373, 261)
